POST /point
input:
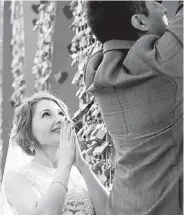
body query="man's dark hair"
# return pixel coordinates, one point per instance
(112, 19)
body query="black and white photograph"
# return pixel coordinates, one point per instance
(91, 107)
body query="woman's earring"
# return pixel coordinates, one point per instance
(32, 147)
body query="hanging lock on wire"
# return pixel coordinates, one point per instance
(94, 132)
(77, 77)
(74, 47)
(97, 166)
(82, 93)
(79, 91)
(100, 149)
(78, 36)
(100, 136)
(102, 176)
(91, 148)
(88, 131)
(96, 113)
(80, 113)
(73, 4)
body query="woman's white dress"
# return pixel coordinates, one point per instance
(77, 201)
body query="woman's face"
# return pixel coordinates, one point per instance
(46, 123)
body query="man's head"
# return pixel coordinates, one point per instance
(125, 20)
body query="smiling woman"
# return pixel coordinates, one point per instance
(33, 120)
(42, 129)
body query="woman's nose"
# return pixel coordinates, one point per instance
(58, 119)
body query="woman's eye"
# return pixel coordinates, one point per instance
(61, 113)
(45, 114)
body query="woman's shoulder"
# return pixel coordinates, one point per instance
(14, 173)
(18, 176)
(14, 182)
(17, 180)
(17, 186)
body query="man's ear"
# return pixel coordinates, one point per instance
(139, 22)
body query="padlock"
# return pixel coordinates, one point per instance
(87, 31)
(97, 167)
(83, 145)
(83, 42)
(75, 22)
(88, 117)
(82, 93)
(96, 113)
(88, 158)
(74, 55)
(89, 129)
(72, 48)
(78, 8)
(78, 36)
(100, 136)
(80, 132)
(94, 144)
(93, 134)
(76, 78)
(79, 91)
(100, 149)
(89, 150)
(103, 177)
(79, 114)
(73, 4)
(107, 171)
(92, 147)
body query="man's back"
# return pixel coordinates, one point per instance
(140, 95)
